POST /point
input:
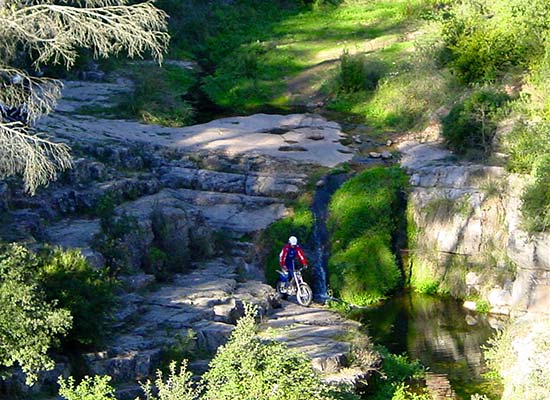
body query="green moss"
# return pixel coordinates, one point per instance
(362, 222)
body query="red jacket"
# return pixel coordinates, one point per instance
(283, 256)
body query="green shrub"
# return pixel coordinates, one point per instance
(275, 236)
(488, 37)
(157, 98)
(365, 271)
(184, 348)
(30, 324)
(357, 74)
(471, 124)
(525, 144)
(177, 386)
(90, 388)
(362, 221)
(251, 369)
(396, 371)
(108, 241)
(68, 280)
(535, 206)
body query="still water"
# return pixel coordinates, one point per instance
(445, 337)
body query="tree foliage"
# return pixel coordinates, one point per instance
(51, 32)
(29, 324)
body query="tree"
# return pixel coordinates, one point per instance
(29, 325)
(52, 31)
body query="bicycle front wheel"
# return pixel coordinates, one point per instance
(304, 295)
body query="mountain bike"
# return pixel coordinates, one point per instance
(297, 286)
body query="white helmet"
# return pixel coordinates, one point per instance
(293, 241)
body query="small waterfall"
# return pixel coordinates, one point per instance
(320, 237)
(326, 187)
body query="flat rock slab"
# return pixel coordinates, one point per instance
(312, 138)
(417, 155)
(321, 334)
(228, 211)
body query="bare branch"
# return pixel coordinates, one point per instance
(51, 31)
(55, 31)
(38, 95)
(36, 158)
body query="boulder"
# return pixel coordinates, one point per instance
(229, 312)
(211, 335)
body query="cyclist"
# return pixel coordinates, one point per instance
(287, 259)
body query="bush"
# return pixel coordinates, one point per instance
(68, 280)
(30, 324)
(535, 206)
(396, 370)
(178, 386)
(471, 125)
(488, 37)
(109, 241)
(357, 74)
(362, 222)
(248, 368)
(158, 96)
(525, 144)
(365, 271)
(90, 388)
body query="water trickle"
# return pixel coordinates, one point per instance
(326, 187)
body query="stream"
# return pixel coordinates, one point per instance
(444, 336)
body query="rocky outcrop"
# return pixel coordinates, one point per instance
(196, 313)
(467, 224)
(158, 198)
(330, 341)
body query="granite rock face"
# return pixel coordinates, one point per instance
(470, 214)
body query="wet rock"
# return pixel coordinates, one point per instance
(374, 154)
(386, 155)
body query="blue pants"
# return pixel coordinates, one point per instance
(290, 268)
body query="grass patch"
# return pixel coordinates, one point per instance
(249, 49)
(362, 222)
(407, 74)
(158, 96)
